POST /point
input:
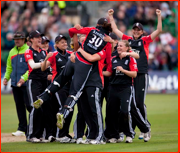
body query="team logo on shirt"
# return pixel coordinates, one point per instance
(139, 43)
(41, 60)
(136, 51)
(126, 62)
(115, 61)
(35, 54)
(59, 60)
(21, 59)
(135, 66)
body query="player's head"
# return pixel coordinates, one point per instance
(35, 38)
(45, 43)
(19, 38)
(115, 38)
(103, 22)
(61, 42)
(137, 30)
(123, 46)
(81, 38)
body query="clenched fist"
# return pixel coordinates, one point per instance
(110, 12)
(158, 12)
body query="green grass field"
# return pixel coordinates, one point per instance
(162, 113)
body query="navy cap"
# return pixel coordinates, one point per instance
(138, 25)
(113, 36)
(59, 37)
(35, 33)
(101, 21)
(44, 39)
(19, 35)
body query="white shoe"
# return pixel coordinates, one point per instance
(102, 142)
(121, 137)
(64, 139)
(42, 140)
(35, 140)
(79, 141)
(147, 136)
(112, 140)
(87, 141)
(141, 136)
(129, 140)
(18, 133)
(51, 138)
(73, 140)
(94, 142)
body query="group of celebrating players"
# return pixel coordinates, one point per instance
(99, 66)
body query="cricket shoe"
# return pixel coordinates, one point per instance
(141, 136)
(129, 140)
(51, 138)
(60, 120)
(112, 140)
(79, 141)
(147, 136)
(35, 140)
(64, 139)
(38, 103)
(121, 137)
(73, 140)
(18, 133)
(42, 140)
(86, 141)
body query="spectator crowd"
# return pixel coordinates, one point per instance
(50, 18)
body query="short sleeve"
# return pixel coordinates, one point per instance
(102, 54)
(125, 37)
(28, 55)
(133, 64)
(147, 39)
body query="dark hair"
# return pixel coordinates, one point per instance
(107, 26)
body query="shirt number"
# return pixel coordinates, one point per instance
(97, 41)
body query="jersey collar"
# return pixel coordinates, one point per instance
(138, 38)
(60, 51)
(34, 49)
(102, 29)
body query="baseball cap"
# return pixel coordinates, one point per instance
(19, 35)
(113, 36)
(35, 33)
(44, 39)
(101, 21)
(138, 25)
(59, 37)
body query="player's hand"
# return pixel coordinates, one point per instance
(5, 81)
(78, 26)
(119, 68)
(110, 12)
(49, 55)
(124, 54)
(21, 81)
(158, 12)
(49, 77)
(108, 39)
(72, 58)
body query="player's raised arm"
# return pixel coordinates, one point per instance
(113, 24)
(159, 25)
